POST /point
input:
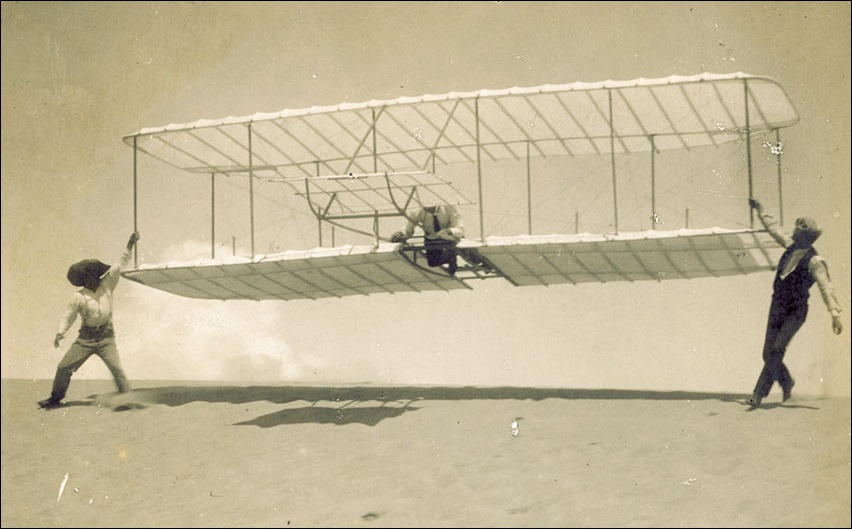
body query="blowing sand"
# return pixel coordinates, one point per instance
(217, 455)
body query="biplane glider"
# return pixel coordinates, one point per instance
(658, 170)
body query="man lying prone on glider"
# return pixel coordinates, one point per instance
(442, 228)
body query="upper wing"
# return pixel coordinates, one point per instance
(414, 133)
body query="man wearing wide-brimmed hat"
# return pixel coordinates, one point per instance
(93, 303)
(798, 269)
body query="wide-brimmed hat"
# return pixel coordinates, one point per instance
(807, 229)
(86, 272)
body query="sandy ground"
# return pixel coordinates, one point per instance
(218, 455)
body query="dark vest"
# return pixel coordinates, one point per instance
(795, 288)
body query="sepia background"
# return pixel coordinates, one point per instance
(77, 77)
(397, 410)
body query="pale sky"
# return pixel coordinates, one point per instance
(78, 76)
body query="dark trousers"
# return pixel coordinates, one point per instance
(783, 324)
(439, 252)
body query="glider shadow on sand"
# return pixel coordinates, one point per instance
(371, 405)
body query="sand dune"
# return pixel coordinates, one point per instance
(217, 455)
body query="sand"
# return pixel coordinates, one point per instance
(173, 454)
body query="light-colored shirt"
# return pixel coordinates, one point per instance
(817, 265)
(94, 308)
(448, 219)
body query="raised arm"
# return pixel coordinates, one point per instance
(770, 224)
(128, 250)
(110, 279)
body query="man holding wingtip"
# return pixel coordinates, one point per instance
(798, 269)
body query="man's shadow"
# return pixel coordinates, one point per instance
(775, 405)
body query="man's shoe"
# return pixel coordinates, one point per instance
(754, 401)
(787, 391)
(453, 266)
(49, 404)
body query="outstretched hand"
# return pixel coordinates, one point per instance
(836, 324)
(755, 204)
